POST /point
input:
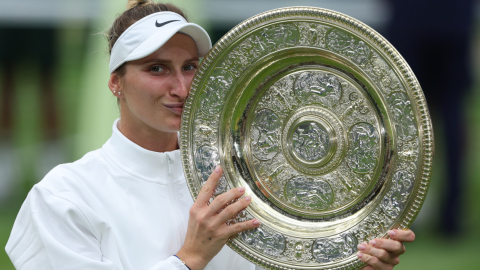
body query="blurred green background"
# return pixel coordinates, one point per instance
(86, 109)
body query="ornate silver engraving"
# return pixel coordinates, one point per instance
(206, 159)
(265, 137)
(312, 34)
(310, 141)
(206, 135)
(215, 91)
(276, 37)
(349, 46)
(332, 249)
(319, 86)
(265, 240)
(403, 113)
(311, 194)
(394, 202)
(363, 153)
(374, 226)
(299, 251)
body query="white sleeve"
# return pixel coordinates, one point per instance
(169, 264)
(52, 233)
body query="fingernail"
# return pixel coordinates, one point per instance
(361, 247)
(359, 254)
(248, 198)
(241, 189)
(391, 233)
(217, 169)
(373, 242)
(256, 222)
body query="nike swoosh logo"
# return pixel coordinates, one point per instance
(162, 24)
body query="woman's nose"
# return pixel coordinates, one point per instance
(181, 85)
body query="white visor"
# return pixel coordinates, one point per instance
(150, 33)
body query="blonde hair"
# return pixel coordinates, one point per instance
(134, 3)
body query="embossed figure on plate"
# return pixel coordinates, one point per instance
(327, 250)
(265, 130)
(403, 113)
(215, 91)
(322, 87)
(311, 194)
(206, 159)
(345, 44)
(277, 37)
(394, 202)
(364, 143)
(264, 240)
(310, 141)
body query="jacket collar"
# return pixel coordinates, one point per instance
(158, 167)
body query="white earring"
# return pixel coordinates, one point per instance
(119, 93)
(114, 92)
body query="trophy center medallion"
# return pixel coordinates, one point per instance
(314, 140)
(310, 141)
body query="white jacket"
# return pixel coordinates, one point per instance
(119, 207)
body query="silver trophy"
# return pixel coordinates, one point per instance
(326, 126)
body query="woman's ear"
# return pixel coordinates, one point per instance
(115, 84)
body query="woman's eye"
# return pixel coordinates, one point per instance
(157, 69)
(189, 67)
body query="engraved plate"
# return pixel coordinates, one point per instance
(332, 249)
(323, 123)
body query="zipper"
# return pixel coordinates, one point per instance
(175, 203)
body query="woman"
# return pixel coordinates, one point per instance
(127, 205)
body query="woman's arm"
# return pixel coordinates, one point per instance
(51, 232)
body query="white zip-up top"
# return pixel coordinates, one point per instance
(119, 207)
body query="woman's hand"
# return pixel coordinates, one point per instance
(383, 254)
(207, 231)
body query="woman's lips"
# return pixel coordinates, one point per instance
(175, 107)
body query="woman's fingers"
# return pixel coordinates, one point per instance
(402, 235)
(374, 261)
(234, 208)
(207, 190)
(240, 227)
(222, 200)
(389, 245)
(382, 254)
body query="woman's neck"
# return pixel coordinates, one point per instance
(149, 138)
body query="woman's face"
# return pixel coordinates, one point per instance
(154, 88)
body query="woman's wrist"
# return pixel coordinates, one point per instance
(182, 262)
(190, 261)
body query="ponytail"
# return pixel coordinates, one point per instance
(139, 3)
